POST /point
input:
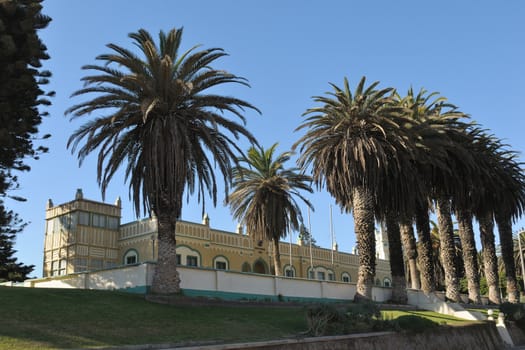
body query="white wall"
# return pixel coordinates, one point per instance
(254, 284)
(212, 281)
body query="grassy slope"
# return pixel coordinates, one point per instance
(69, 318)
(51, 318)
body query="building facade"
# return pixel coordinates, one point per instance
(85, 235)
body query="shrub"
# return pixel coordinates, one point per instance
(324, 319)
(364, 312)
(513, 312)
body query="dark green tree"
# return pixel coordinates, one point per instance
(21, 99)
(305, 237)
(10, 269)
(21, 78)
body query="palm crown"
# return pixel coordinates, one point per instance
(264, 191)
(160, 121)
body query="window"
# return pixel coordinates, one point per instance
(63, 265)
(99, 220)
(311, 274)
(191, 260)
(131, 257)
(80, 264)
(69, 221)
(189, 257)
(331, 276)
(246, 267)
(345, 277)
(220, 263)
(49, 229)
(97, 263)
(321, 275)
(289, 271)
(112, 223)
(386, 282)
(54, 268)
(83, 218)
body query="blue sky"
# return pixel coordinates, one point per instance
(472, 52)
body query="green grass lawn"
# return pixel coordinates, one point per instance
(70, 318)
(439, 319)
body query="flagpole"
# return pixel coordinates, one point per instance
(332, 233)
(310, 232)
(290, 233)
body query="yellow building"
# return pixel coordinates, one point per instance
(85, 235)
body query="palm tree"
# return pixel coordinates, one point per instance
(426, 257)
(161, 122)
(510, 201)
(410, 248)
(490, 260)
(352, 144)
(435, 123)
(439, 272)
(262, 196)
(470, 254)
(499, 194)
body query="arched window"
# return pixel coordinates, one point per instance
(260, 266)
(246, 267)
(318, 272)
(378, 282)
(220, 263)
(289, 271)
(131, 257)
(330, 275)
(187, 256)
(387, 282)
(345, 277)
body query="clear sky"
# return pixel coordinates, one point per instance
(472, 52)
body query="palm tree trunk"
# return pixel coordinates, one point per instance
(490, 260)
(409, 246)
(504, 223)
(166, 277)
(470, 254)
(397, 266)
(446, 236)
(363, 205)
(276, 257)
(426, 264)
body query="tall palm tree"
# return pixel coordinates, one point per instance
(470, 254)
(435, 122)
(160, 122)
(450, 165)
(490, 260)
(439, 272)
(410, 248)
(510, 201)
(352, 143)
(263, 196)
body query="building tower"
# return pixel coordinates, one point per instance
(81, 235)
